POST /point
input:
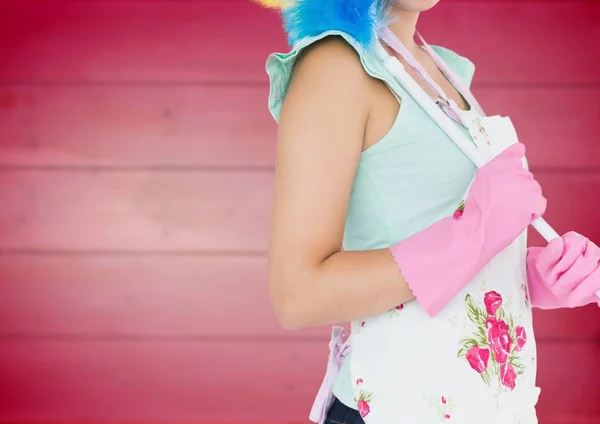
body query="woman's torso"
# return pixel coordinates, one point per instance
(412, 177)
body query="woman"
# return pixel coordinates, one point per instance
(371, 225)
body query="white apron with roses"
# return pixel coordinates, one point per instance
(474, 363)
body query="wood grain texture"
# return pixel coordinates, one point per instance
(135, 126)
(189, 297)
(131, 210)
(227, 126)
(136, 156)
(216, 382)
(216, 41)
(191, 211)
(572, 204)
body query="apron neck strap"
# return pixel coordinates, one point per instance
(389, 38)
(457, 81)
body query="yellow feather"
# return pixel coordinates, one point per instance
(275, 4)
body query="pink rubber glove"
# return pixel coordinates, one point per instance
(565, 273)
(440, 260)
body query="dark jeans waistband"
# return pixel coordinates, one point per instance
(341, 414)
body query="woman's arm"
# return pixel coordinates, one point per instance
(320, 140)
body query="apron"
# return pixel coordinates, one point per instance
(473, 363)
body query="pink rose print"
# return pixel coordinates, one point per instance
(478, 358)
(498, 339)
(396, 309)
(363, 408)
(521, 336)
(508, 375)
(441, 406)
(362, 324)
(492, 301)
(492, 350)
(362, 403)
(458, 213)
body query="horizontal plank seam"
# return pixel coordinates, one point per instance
(227, 169)
(125, 338)
(136, 253)
(229, 338)
(143, 2)
(237, 83)
(137, 168)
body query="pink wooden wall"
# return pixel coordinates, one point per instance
(136, 164)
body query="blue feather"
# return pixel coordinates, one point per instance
(358, 18)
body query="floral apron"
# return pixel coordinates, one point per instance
(473, 363)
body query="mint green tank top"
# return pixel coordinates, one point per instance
(414, 176)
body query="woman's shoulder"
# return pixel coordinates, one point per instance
(331, 55)
(310, 22)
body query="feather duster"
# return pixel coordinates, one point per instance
(361, 19)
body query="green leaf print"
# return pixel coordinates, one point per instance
(468, 343)
(481, 336)
(485, 376)
(472, 310)
(511, 328)
(500, 314)
(494, 367)
(482, 315)
(364, 395)
(516, 362)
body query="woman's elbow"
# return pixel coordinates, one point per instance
(290, 307)
(288, 317)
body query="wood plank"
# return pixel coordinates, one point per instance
(568, 365)
(218, 382)
(190, 297)
(165, 125)
(166, 297)
(517, 42)
(190, 126)
(568, 324)
(191, 211)
(163, 41)
(572, 204)
(135, 210)
(200, 41)
(559, 125)
(159, 382)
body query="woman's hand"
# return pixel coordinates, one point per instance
(569, 268)
(505, 197)
(503, 200)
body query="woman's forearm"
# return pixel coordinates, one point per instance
(344, 287)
